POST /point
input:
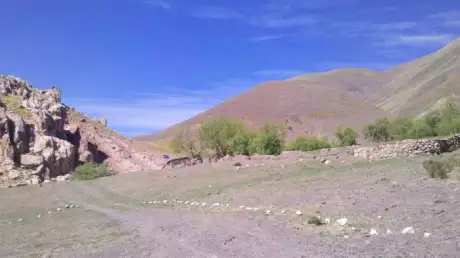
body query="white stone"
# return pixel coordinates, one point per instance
(346, 236)
(327, 220)
(248, 208)
(242, 207)
(408, 230)
(20, 220)
(327, 162)
(38, 216)
(256, 209)
(426, 234)
(203, 204)
(49, 212)
(165, 201)
(388, 231)
(298, 212)
(144, 202)
(67, 206)
(268, 212)
(283, 211)
(379, 217)
(373, 232)
(228, 204)
(186, 202)
(58, 209)
(342, 222)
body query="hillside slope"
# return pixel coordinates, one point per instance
(418, 85)
(317, 103)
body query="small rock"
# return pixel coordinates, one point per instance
(327, 220)
(283, 211)
(241, 207)
(58, 209)
(150, 202)
(144, 202)
(379, 217)
(426, 234)
(38, 216)
(346, 236)
(373, 232)
(67, 206)
(327, 162)
(408, 230)
(298, 212)
(342, 222)
(388, 231)
(203, 204)
(268, 212)
(20, 220)
(49, 212)
(165, 201)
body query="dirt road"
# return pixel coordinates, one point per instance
(198, 212)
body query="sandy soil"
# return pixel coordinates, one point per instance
(115, 219)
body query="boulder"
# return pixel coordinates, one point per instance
(59, 155)
(86, 157)
(14, 174)
(31, 161)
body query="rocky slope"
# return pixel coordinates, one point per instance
(42, 139)
(317, 103)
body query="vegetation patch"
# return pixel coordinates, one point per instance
(440, 168)
(14, 104)
(442, 122)
(91, 171)
(308, 143)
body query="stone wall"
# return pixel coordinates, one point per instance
(408, 148)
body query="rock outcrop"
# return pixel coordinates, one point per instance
(43, 139)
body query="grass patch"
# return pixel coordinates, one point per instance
(91, 171)
(314, 220)
(14, 104)
(441, 168)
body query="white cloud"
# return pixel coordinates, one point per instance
(217, 12)
(449, 18)
(266, 37)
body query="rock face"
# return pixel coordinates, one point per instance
(42, 139)
(409, 148)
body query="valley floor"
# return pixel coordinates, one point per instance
(198, 212)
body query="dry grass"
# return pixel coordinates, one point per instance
(14, 104)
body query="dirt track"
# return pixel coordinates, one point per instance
(115, 219)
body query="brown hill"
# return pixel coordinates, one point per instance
(316, 104)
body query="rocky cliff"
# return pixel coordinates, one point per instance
(41, 139)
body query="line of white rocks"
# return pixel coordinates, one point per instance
(50, 212)
(341, 222)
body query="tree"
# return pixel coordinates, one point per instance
(346, 137)
(184, 142)
(217, 135)
(380, 131)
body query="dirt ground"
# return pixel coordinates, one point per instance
(221, 211)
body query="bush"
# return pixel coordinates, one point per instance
(184, 142)
(237, 164)
(90, 171)
(346, 137)
(217, 135)
(400, 128)
(240, 144)
(437, 169)
(308, 143)
(269, 141)
(380, 131)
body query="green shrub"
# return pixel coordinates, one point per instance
(240, 143)
(90, 171)
(437, 169)
(380, 131)
(346, 137)
(184, 142)
(269, 141)
(400, 128)
(217, 135)
(308, 143)
(237, 164)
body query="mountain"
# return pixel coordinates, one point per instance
(42, 139)
(317, 103)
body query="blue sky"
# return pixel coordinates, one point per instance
(147, 64)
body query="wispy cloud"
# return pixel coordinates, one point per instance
(217, 12)
(267, 37)
(419, 40)
(277, 73)
(146, 112)
(449, 18)
(159, 4)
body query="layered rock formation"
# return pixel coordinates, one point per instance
(42, 139)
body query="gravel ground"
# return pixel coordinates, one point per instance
(127, 216)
